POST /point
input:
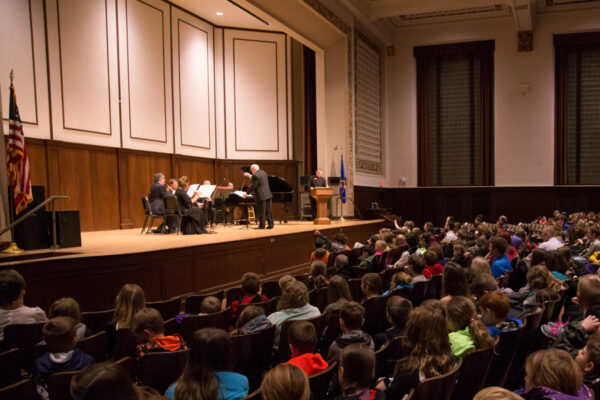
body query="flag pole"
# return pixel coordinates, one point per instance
(12, 248)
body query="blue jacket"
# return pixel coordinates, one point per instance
(500, 265)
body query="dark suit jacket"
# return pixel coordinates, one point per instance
(184, 200)
(313, 182)
(157, 193)
(260, 186)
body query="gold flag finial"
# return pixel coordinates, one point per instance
(12, 75)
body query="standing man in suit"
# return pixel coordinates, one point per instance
(158, 192)
(262, 194)
(314, 181)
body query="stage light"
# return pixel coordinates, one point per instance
(219, 13)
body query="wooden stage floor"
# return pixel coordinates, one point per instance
(130, 241)
(171, 265)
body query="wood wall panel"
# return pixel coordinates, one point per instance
(95, 281)
(519, 204)
(107, 184)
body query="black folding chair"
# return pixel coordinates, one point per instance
(149, 214)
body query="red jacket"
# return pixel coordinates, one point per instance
(310, 363)
(433, 270)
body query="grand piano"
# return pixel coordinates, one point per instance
(282, 193)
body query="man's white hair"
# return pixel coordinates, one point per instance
(254, 167)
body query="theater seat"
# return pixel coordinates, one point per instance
(22, 390)
(439, 387)
(159, 370)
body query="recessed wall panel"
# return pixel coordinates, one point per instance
(193, 89)
(82, 54)
(255, 95)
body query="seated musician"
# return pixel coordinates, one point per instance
(208, 205)
(197, 220)
(173, 185)
(156, 198)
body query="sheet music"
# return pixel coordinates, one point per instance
(192, 189)
(241, 193)
(206, 190)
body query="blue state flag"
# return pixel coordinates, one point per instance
(343, 183)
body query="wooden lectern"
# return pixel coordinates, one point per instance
(322, 196)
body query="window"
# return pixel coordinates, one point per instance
(577, 109)
(455, 114)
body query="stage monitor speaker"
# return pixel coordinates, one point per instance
(68, 230)
(32, 233)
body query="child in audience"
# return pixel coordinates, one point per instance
(400, 280)
(479, 266)
(467, 333)
(352, 318)
(293, 305)
(285, 382)
(494, 308)
(59, 334)
(129, 301)
(302, 339)
(496, 393)
(356, 373)
(426, 348)
(338, 293)
(210, 305)
(251, 320)
(500, 263)
(483, 284)
(251, 288)
(318, 275)
(69, 307)
(108, 381)
(553, 374)
(412, 240)
(371, 285)
(207, 374)
(415, 267)
(12, 309)
(458, 253)
(538, 279)
(366, 259)
(432, 266)
(454, 281)
(397, 310)
(588, 359)
(148, 324)
(320, 253)
(284, 281)
(343, 267)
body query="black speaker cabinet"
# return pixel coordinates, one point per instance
(32, 233)
(68, 230)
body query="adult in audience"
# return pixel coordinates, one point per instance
(293, 305)
(426, 348)
(12, 308)
(262, 193)
(451, 235)
(338, 293)
(285, 382)
(108, 381)
(356, 373)
(500, 263)
(189, 208)
(550, 241)
(207, 374)
(412, 240)
(553, 374)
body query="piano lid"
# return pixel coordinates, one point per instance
(277, 184)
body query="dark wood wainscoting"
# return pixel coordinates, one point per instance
(95, 281)
(106, 184)
(517, 203)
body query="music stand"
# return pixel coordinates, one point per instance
(221, 194)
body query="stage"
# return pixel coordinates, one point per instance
(171, 265)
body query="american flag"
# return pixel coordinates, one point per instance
(16, 157)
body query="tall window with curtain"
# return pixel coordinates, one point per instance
(455, 114)
(577, 160)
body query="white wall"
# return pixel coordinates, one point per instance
(147, 76)
(523, 125)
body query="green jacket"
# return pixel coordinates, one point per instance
(461, 342)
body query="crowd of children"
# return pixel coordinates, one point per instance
(492, 277)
